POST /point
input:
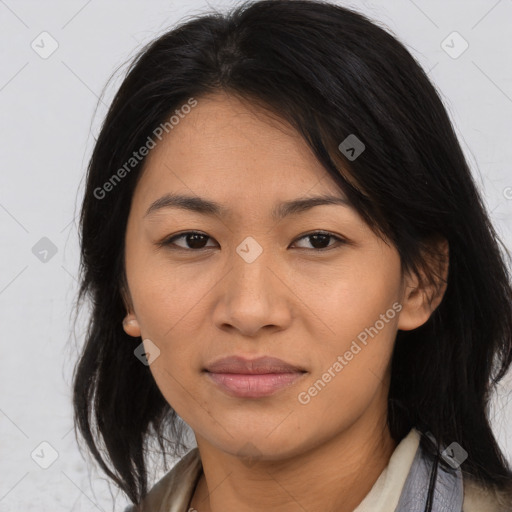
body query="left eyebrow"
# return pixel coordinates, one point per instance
(208, 207)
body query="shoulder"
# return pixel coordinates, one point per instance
(479, 498)
(176, 487)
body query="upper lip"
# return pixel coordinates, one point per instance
(260, 365)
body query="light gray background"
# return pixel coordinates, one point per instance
(47, 131)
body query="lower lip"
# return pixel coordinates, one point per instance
(252, 385)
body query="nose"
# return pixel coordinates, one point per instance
(254, 295)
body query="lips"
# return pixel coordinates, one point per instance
(258, 366)
(252, 378)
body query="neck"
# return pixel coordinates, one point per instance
(333, 477)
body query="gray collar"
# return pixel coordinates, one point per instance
(449, 492)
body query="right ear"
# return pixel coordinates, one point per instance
(130, 324)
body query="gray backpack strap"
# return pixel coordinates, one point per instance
(449, 491)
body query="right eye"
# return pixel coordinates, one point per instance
(194, 239)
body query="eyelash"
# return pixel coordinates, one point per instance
(168, 242)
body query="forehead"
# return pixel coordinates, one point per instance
(232, 150)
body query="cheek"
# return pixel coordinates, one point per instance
(170, 320)
(352, 297)
(350, 369)
(166, 296)
(167, 301)
(167, 311)
(359, 308)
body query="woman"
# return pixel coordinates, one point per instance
(286, 252)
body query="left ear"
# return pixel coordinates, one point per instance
(423, 293)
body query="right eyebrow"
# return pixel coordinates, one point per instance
(209, 207)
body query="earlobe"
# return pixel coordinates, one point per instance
(131, 326)
(130, 323)
(423, 295)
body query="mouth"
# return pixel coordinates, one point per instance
(253, 378)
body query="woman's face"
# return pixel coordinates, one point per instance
(253, 285)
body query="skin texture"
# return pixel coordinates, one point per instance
(295, 302)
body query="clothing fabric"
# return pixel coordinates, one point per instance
(401, 487)
(448, 490)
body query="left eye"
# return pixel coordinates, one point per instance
(195, 240)
(320, 237)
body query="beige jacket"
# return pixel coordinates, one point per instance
(173, 492)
